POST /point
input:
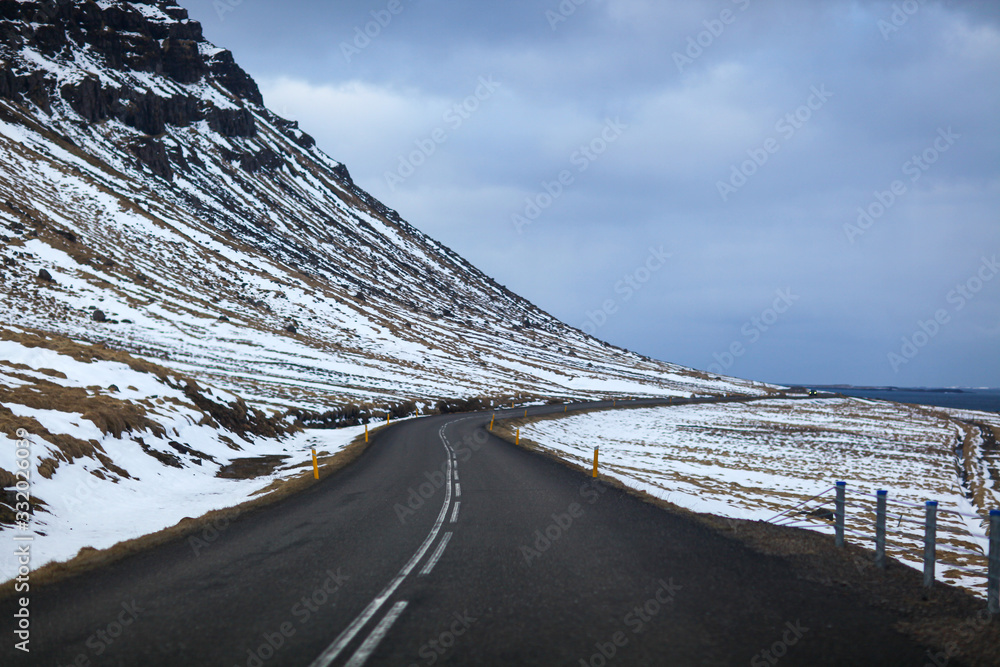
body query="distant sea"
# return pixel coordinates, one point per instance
(966, 399)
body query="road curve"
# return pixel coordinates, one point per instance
(442, 545)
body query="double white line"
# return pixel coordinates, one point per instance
(378, 634)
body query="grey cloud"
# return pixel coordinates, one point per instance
(687, 131)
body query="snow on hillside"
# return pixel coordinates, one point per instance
(176, 218)
(119, 448)
(756, 460)
(169, 248)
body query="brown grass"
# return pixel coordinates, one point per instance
(974, 457)
(111, 415)
(69, 448)
(82, 353)
(252, 467)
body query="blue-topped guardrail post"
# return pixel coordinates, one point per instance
(930, 545)
(880, 529)
(993, 581)
(841, 508)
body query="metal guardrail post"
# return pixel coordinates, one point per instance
(993, 580)
(880, 529)
(930, 545)
(840, 511)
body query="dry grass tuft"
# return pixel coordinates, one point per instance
(111, 415)
(69, 448)
(83, 353)
(252, 467)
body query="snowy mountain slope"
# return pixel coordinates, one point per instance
(148, 200)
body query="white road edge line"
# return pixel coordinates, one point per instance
(376, 637)
(340, 643)
(454, 513)
(436, 556)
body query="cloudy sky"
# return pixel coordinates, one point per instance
(789, 191)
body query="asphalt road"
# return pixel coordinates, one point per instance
(443, 545)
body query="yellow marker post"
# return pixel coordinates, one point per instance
(526, 412)
(517, 440)
(595, 461)
(565, 408)
(491, 420)
(387, 419)
(315, 465)
(614, 403)
(366, 432)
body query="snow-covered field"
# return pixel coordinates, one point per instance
(757, 460)
(115, 451)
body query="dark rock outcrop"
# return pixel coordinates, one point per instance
(33, 87)
(341, 171)
(150, 113)
(153, 154)
(91, 101)
(265, 160)
(145, 113)
(181, 60)
(233, 122)
(125, 39)
(290, 128)
(232, 77)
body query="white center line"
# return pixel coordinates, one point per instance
(432, 561)
(454, 512)
(458, 490)
(377, 635)
(340, 643)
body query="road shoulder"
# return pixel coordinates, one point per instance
(948, 619)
